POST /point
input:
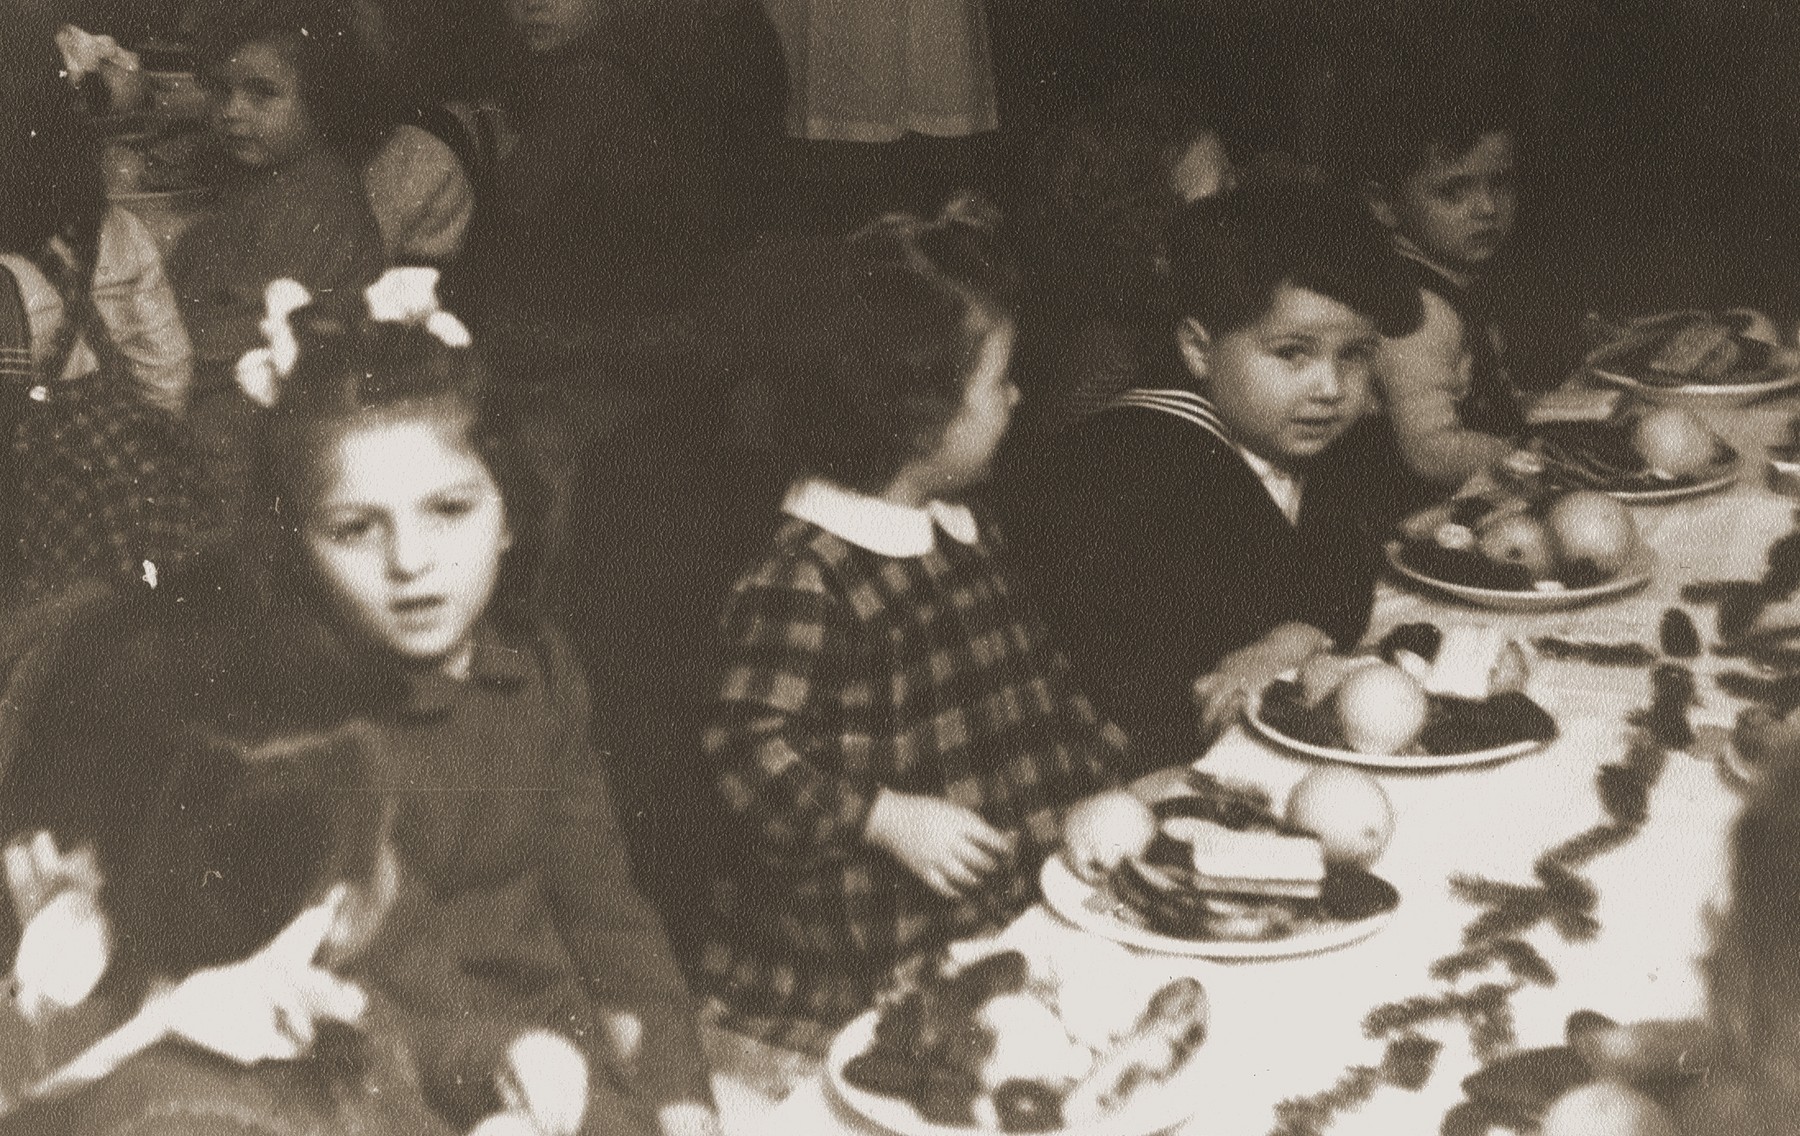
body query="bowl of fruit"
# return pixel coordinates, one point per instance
(1555, 550)
(1429, 699)
(1696, 358)
(1040, 1029)
(1216, 871)
(1662, 454)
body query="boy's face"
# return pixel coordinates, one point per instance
(965, 454)
(1291, 383)
(1458, 208)
(408, 532)
(260, 107)
(549, 25)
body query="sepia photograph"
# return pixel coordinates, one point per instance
(900, 567)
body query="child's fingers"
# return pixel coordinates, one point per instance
(299, 942)
(990, 839)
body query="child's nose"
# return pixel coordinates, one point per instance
(408, 552)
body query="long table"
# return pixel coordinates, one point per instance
(1290, 1029)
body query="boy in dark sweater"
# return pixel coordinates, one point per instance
(1203, 534)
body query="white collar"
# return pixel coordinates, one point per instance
(1283, 486)
(881, 527)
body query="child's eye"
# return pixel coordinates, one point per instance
(349, 531)
(451, 508)
(1292, 352)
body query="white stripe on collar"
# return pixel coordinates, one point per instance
(1284, 488)
(881, 527)
(1414, 253)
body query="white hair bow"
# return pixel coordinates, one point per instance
(409, 295)
(259, 372)
(402, 295)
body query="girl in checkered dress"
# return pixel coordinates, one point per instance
(894, 737)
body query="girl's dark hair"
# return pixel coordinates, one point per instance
(866, 363)
(219, 793)
(355, 369)
(348, 107)
(1230, 255)
(242, 838)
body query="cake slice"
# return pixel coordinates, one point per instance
(1258, 863)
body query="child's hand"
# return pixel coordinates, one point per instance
(1219, 697)
(65, 940)
(947, 846)
(546, 1081)
(36, 870)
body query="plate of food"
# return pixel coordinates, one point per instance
(1559, 550)
(1664, 454)
(1216, 873)
(1696, 358)
(1438, 700)
(1056, 1033)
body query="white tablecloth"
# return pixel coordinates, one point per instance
(1289, 1028)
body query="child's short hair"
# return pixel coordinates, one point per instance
(867, 364)
(314, 37)
(1430, 114)
(1230, 255)
(351, 369)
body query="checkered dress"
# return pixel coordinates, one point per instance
(847, 672)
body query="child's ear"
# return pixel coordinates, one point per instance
(1195, 345)
(1380, 204)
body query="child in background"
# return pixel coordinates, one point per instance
(97, 477)
(397, 529)
(895, 736)
(282, 82)
(1111, 178)
(283, 98)
(1200, 535)
(1439, 176)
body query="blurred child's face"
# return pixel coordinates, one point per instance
(1291, 383)
(965, 453)
(1458, 208)
(408, 532)
(259, 106)
(548, 25)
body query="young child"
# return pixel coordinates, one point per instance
(1200, 535)
(1439, 176)
(201, 973)
(97, 366)
(397, 528)
(280, 78)
(894, 735)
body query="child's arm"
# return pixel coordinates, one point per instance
(616, 940)
(134, 298)
(1220, 694)
(1424, 375)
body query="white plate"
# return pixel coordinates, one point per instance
(1634, 575)
(1720, 476)
(1412, 762)
(1721, 395)
(1089, 908)
(1148, 1111)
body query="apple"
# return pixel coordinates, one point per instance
(1606, 1108)
(1347, 810)
(1520, 539)
(1592, 527)
(1381, 709)
(1101, 832)
(1673, 441)
(1323, 673)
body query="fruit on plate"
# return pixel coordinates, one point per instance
(1107, 828)
(1610, 1107)
(1381, 709)
(1477, 661)
(1594, 529)
(1521, 539)
(996, 1042)
(1673, 442)
(1752, 324)
(1347, 811)
(1323, 673)
(1226, 867)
